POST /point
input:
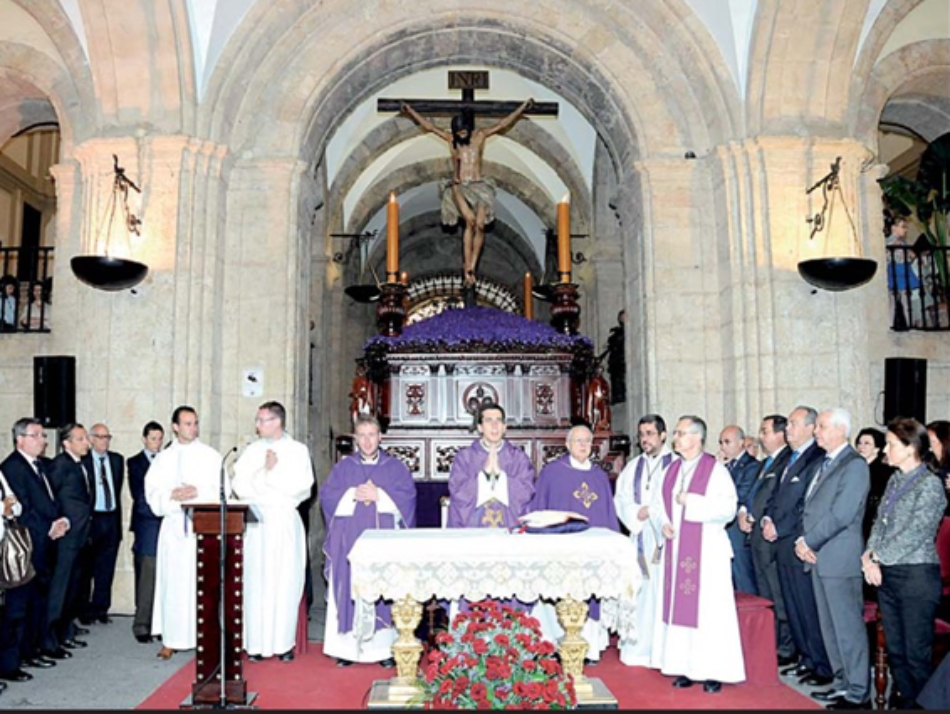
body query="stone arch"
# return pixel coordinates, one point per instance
(910, 64)
(799, 80)
(398, 129)
(66, 83)
(625, 68)
(32, 76)
(417, 174)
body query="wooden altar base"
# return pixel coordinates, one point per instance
(598, 697)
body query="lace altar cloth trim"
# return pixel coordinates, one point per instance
(476, 563)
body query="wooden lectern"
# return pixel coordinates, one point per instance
(206, 690)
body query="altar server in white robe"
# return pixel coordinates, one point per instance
(274, 473)
(637, 483)
(697, 629)
(188, 471)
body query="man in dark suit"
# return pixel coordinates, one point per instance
(145, 525)
(108, 469)
(772, 438)
(781, 525)
(830, 547)
(743, 468)
(73, 488)
(25, 608)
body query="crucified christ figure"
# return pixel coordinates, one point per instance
(468, 195)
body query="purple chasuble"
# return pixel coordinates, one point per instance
(685, 602)
(463, 488)
(388, 474)
(561, 487)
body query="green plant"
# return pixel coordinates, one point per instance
(926, 199)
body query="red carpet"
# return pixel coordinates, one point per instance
(313, 681)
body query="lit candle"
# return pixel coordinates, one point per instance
(392, 238)
(564, 238)
(528, 297)
(404, 277)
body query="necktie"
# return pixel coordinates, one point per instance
(791, 461)
(814, 482)
(105, 484)
(38, 465)
(768, 464)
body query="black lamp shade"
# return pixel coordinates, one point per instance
(106, 273)
(363, 293)
(837, 274)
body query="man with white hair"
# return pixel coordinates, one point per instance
(830, 547)
(575, 483)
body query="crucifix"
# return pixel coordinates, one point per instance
(467, 196)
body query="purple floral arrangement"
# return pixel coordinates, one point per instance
(479, 329)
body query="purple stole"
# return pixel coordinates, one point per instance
(685, 604)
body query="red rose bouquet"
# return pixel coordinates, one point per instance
(493, 657)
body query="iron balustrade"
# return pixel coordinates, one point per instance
(28, 270)
(918, 284)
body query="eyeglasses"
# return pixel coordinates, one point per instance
(261, 420)
(107, 437)
(40, 435)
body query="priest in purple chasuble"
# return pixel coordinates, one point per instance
(366, 490)
(492, 481)
(696, 637)
(575, 483)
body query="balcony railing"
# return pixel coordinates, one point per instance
(918, 284)
(26, 283)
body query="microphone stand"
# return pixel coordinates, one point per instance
(222, 547)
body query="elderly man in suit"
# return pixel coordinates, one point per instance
(24, 614)
(743, 469)
(830, 546)
(781, 525)
(772, 438)
(108, 469)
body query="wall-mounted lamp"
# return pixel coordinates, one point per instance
(358, 240)
(106, 272)
(836, 273)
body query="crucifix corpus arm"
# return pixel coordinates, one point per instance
(424, 123)
(509, 120)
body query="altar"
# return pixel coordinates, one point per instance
(426, 384)
(412, 566)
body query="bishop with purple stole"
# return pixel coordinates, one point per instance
(697, 629)
(366, 490)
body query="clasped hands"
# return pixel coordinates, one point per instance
(270, 460)
(366, 492)
(185, 492)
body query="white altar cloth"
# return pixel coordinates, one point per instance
(476, 563)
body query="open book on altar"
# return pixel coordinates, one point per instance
(551, 521)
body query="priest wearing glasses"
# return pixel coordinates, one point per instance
(697, 628)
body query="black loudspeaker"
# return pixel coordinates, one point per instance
(54, 390)
(905, 388)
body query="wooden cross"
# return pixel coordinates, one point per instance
(468, 82)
